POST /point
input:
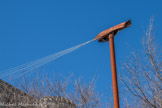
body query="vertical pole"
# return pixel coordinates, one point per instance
(113, 69)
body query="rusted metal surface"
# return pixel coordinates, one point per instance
(104, 35)
(108, 35)
(113, 69)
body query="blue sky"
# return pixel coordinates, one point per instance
(31, 29)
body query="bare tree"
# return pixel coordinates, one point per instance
(82, 93)
(141, 73)
(38, 87)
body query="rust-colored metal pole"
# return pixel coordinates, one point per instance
(113, 69)
(108, 35)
